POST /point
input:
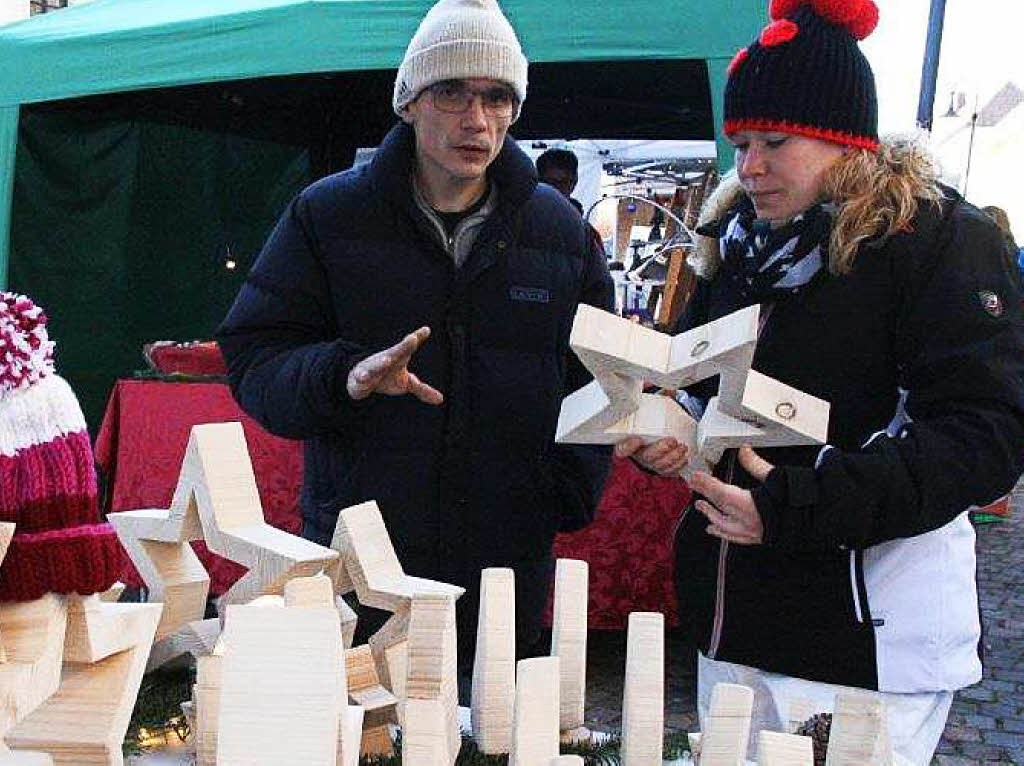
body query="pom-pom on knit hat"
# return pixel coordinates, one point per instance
(461, 39)
(805, 74)
(47, 474)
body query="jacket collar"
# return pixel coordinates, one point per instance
(392, 165)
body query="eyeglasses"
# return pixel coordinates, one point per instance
(455, 97)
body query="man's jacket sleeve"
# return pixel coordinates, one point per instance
(960, 349)
(286, 366)
(577, 472)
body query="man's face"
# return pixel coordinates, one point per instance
(562, 179)
(459, 145)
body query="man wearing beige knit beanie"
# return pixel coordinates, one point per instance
(447, 230)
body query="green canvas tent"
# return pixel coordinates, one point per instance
(145, 143)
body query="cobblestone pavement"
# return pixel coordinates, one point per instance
(986, 724)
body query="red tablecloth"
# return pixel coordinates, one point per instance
(142, 442)
(629, 547)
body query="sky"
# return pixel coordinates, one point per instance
(982, 48)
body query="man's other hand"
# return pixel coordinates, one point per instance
(387, 372)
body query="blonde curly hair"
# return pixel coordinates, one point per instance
(877, 194)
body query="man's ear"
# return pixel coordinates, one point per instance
(408, 114)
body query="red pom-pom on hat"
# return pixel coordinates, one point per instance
(860, 17)
(738, 59)
(864, 24)
(780, 9)
(778, 32)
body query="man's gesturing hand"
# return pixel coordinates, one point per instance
(387, 372)
(731, 510)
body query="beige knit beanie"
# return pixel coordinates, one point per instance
(461, 39)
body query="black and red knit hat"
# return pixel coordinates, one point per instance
(805, 74)
(47, 473)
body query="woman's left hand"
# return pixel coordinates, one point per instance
(731, 510)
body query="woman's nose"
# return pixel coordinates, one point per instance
(751, 162)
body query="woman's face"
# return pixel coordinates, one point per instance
(781, 172)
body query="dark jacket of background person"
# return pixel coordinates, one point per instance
(353, 265)
(866, 574)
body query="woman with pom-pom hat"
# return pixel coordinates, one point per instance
(801, 571)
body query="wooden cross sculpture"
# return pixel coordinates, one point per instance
(750, 408)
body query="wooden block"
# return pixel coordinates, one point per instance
(97, 629)
(206, 692)
(378, 706)
(622, 354)
(316, 592)
(718, 431)
(727, 728)
(658, 417)
(859, 733)
(432, 670)
(425, 735)
(113, 593)
(85, 720)
(25, 758)
(535, 721)
(724, 347)
(606, 342)
(643, 697)
(350, 730)
(280, 700)
(349, 618)
(569, 639)
(390, 648)
(364, 686)
(218, 482)
(798, 417)
(337, 570)
(6, 533)
(376, 741)
(33, 634)
(173, 574)
(373, 566)
(777, 749)
(494, 665)
(750, 407)
(197, 638)
(798, 711)
(588, 412)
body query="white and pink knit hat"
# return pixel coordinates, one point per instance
(47, 473)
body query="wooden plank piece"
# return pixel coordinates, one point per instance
(535, 725)
(569, 639)
(643, 699)
(494, 666)
(280, 700)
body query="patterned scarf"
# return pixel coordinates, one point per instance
(766, 264)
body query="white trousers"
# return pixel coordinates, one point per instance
(915, 721)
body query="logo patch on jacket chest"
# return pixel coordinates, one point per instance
(529, 294)
(991, 302)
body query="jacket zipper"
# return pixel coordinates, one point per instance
(723, 549)
(723, 555)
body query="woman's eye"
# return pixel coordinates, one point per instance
(775, 143)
